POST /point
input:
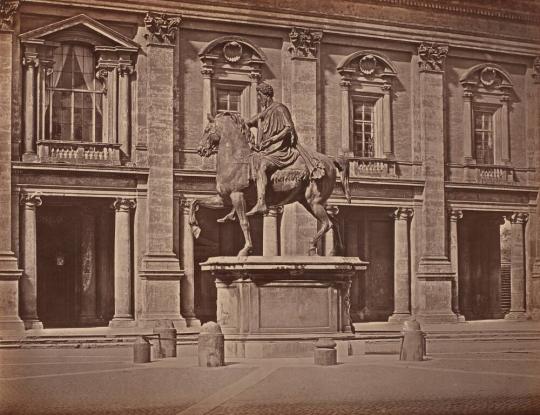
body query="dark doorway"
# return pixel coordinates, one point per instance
(58, 268)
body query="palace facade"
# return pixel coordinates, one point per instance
(435, 104)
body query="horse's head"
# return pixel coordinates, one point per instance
(210, 139)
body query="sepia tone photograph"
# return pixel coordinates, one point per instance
(269, 207)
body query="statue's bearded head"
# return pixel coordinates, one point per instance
(265, 93)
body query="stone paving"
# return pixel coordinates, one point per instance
(105, 381)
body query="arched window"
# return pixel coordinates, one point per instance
(73, 106)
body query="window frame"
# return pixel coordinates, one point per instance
(376, 102)
(243, 87)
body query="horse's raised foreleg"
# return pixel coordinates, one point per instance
(239, 205)
(228, 217)
(212, 202)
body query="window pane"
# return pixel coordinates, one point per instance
(99, 118)
(483, 137)
(228, 100)
(363, 129)
(61, 116)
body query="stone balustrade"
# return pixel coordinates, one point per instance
(495, 174)
(362, 166)
(78, 152)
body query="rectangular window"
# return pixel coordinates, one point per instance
(363, 128)
(483, 137)
(228, 99)
(74, 109)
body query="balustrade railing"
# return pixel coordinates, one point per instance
(495, 174)
(363, 166)
(78, 152)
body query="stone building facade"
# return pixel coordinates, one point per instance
(102, 105)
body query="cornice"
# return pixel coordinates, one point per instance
(338, 24)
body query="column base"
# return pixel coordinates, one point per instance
(33, 324)
(121, 323)
(517, 316)
(399, 317)
(193, 322)
(460, 318)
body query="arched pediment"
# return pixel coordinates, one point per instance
(80, 27)
(367, 63)
(233, 49)
(487, 75)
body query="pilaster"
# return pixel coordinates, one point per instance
(535, 277)
(187, 252)
(9, 269)
(435, 273)
(160, 269)
(298, 226)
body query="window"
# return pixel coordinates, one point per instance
(483, 137)
(363, 128)
(228, 99)
(74, 110)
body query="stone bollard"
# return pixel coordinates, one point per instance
(141, 350)
(211, 347)
(166, 342)
(413, 344)
(325, 353)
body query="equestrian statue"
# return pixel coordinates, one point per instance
(282, 170)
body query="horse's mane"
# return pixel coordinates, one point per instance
(240, 123)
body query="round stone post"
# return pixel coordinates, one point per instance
(402, 283)
(211, 346)
(517, 270)
(271, 231)
(124, 72)
(29, 256)
(123, 315)
(30, 62)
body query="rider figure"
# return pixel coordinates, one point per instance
(275, 147)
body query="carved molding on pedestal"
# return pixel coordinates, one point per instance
(305, 42)
(161, 28)
(432, 56)
(8, 9)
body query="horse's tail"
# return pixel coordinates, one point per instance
(342, 164)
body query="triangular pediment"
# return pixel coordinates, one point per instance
(83, 28)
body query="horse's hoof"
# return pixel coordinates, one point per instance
(226, 218)
(244, 252)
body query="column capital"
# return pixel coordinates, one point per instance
(161, 28)
(403, 213)
(536, 69)
(455, 214)
(124, 68)
(305, 42)
(274, 211)
(254, 75)
(124, 205)
(31, 200)
(332, 210)
(207, 71)
(8, 9)
(518, 218)
(185, 204)
(30, 59)
(432, 56)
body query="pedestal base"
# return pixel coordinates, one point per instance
(265, 303)
(121, 323)
(517, 316)
(399, 317)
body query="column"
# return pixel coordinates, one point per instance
(455, 216)
(123, 293)
(517, 270)
(207, 72)
(28, 283)
(88, 294)
(330, 236)
(160, 268)
(535, 277)
(345, 85)
(298, 226)
(402, 267)
(187, 286)
(271, 231)
(387, 119)
(467, 124)
(9, 268)
(124, 73)
(30, 63)
(505, 144)
(435, 273)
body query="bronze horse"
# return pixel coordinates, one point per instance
(229, 136)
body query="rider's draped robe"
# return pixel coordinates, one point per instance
(284, 152)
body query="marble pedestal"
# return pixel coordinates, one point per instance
(278, 306)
